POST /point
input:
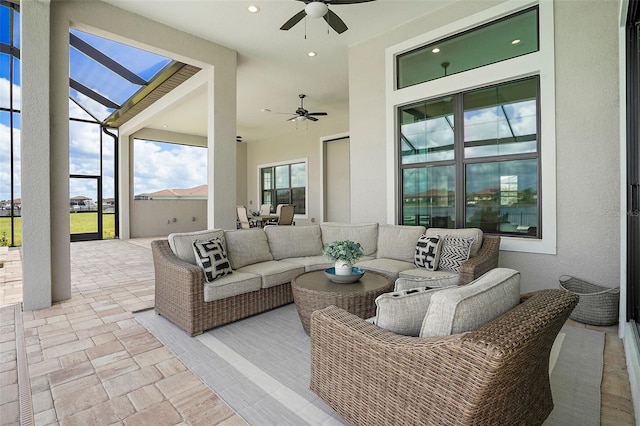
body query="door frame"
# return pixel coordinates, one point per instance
(90, 236)
(323, 140)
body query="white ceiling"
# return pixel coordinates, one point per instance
(273, 66)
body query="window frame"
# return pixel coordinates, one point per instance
(460, 162)
(540, 63)
(288, 163)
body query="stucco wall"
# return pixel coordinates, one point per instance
(587, 138)
(588, 156)
(157, 218)
(295, 144)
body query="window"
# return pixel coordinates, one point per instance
(285, 184)
(496, 41)
(482, 172)
(10, 117)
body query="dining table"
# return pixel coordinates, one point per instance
(262, 219)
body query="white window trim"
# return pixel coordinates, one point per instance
(306, 180)
(540, 63)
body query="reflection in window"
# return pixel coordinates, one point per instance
(501, 120)
(428, 196)
(503, 197)
(284, 184)
(495, 159)
(426, 132)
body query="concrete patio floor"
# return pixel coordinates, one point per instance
(86, 360)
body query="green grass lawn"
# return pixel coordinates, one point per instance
(80, 223)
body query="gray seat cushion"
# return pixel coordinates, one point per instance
(294, 241)
(402, 312)
(414, 278)
(364, 233)
(181, 243)
(388, 267)
(231, 285)
(246, 247)
(274, 272)
(398, 242)
(460, 309)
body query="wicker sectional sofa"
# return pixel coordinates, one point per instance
(264, 261)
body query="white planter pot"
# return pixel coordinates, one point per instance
(343, 268)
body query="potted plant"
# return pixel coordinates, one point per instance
(344, 254)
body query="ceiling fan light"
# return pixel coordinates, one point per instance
(316, 9)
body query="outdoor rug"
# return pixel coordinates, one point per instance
(260, 367)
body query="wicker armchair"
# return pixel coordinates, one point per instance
(483, 262)
(495, 375)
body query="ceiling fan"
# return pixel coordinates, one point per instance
(320, 9)
(302, 114)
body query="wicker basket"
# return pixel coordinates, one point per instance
(598, 305)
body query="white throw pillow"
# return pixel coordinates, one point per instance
(455, 250)
(211, 257)
(428, 252)
(402, 312)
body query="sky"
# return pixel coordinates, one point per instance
(157, 165)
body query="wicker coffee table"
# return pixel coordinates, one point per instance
(313, 291)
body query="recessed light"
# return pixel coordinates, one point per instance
(164, 126)
(435, 50)
(253, 9)
(311, 54)
(516, 41)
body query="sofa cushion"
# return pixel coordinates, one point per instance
(181, 243)
(294, 241)
(467, 232)
(402, 312)
(456, 310)
(273, 272)
(398, 241)
(364, 233)
(427, 253)
(212, 258)
(247, 246)
(310, 263)
(414, 278)
(231, 285)
(388, 267)
(455, 251)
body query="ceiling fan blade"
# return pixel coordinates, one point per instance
(294, 20)
(317, 113)
(312, 118)
(335, 22)
(348, 1)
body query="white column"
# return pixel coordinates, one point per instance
(37, 263)
(221, 153)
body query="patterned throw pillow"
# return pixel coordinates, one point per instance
(428, 252)
(455, 250)
(211, 257)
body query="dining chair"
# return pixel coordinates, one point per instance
(286, 214)
(265, 208)
(243, 220)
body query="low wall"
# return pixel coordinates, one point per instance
(152, 218)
